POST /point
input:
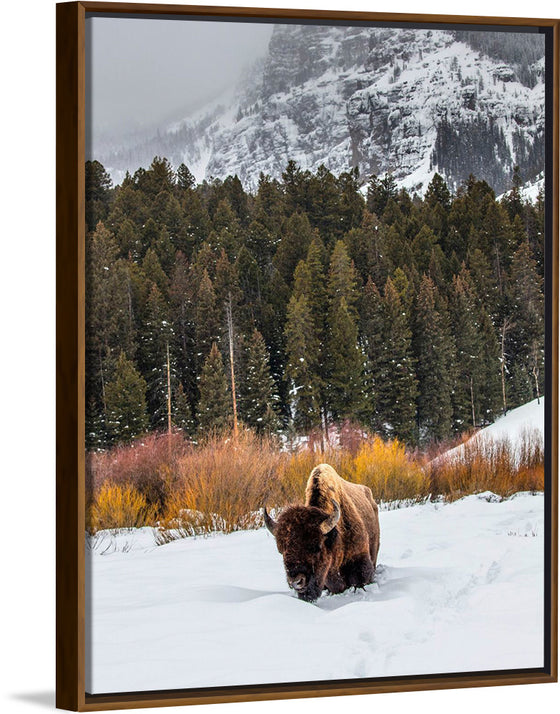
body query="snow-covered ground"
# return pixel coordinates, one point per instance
(459, 588)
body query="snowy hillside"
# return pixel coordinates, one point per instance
(527, 419)
(394, 100)
(459, 588)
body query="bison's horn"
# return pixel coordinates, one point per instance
(269, 522)
(327, 525)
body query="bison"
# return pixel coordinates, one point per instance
(331, 542)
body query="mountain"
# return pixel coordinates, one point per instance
(405, 101)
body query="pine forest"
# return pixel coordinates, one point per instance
(322, 305)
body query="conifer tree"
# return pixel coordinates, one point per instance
(185, 179)
(109, 327)
(157, 341)
(423, 246)
(159, 177)
(296, 238)
(302, 365)
(342, 279)
(367, 247)
(227, 230)
(526, 340)
(293, 184)
(345, 389)
(372, 340)
(98, 191)
(258, 398)
(310, 280)
(182, 293)
(324, 204)
(126, 414)
(208, 318)
(269, 208)
(261, 243)
(434, 353)
(380, 192)
(154, 272)
(182, 410)
(343, 361)
(214, 407)
(397, 384)
(351, 203)
(465, 322)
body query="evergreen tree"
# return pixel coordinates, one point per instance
(324, 204)
(257, 394)
(296, 238)
(126, 414)
(261, 243)
(208, 318)
(182, 293)
(309, 280)
(434, 352)
(380, 192)
(182, 410)
(342, 279)
(345, 389)
(367, 247)
(109, 324)
(465, 322)
(372, 340)
(269, 208)
(397, 384)
(185, 179)
(302, 365)
(98, 192)
(214, 406)
(157, 357)
(526, 339)
(351, 203)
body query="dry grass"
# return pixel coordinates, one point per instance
(220, 485)
(491, 465)
(223, 482)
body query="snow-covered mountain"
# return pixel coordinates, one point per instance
(405, 101)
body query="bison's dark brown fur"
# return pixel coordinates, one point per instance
(332, 541)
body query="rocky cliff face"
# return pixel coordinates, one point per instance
(404, 101)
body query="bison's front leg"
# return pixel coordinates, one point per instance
(358, 572)
(335, 583)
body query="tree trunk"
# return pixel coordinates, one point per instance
(472, 403)
(168, 393)
(230, 335)
(506, 326)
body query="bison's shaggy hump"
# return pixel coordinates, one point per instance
(331, 542)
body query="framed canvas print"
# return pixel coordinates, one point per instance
(307, 353)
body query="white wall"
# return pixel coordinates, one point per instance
(27, 274)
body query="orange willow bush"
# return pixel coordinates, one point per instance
(222, 483)
(150, 464)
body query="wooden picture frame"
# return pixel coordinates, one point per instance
(70, 420)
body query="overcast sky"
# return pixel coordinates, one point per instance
(142, 72)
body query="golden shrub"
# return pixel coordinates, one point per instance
(389, 470)
(116, 506)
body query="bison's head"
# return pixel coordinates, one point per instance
(306, 537)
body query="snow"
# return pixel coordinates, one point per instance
(459, 588)
(527, 419)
